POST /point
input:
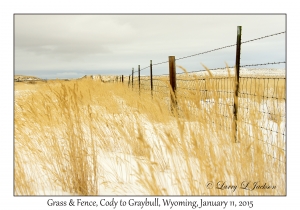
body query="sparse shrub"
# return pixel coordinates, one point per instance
(31, 82)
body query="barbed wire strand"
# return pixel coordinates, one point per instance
(263, 37)
(216, 49)
(232, 67)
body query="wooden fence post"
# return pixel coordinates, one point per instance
(172, 77)
(139, 76)
(132, 78)
(122, 78)
(151, 81)
(129, 81)
(237, 76)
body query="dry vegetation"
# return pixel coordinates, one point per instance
(91, 138)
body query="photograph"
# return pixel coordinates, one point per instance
(149, 105)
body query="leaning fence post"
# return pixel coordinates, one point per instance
(151, 81)
(237, 76)
(172, 76)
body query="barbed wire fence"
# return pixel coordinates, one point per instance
(225, 94)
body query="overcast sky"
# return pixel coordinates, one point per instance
(70, 46)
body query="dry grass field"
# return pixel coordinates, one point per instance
(85, 137)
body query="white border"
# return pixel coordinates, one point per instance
(8, 8)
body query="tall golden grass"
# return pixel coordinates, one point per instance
(90, 138)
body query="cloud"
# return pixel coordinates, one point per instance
(121, 42)
(63, 35)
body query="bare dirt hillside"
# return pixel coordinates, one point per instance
(24, 77)
(103, 78)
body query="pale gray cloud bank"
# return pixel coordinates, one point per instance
(67, 46)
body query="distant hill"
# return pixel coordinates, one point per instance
(24, 77)
(103, 78)
(246, 72)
